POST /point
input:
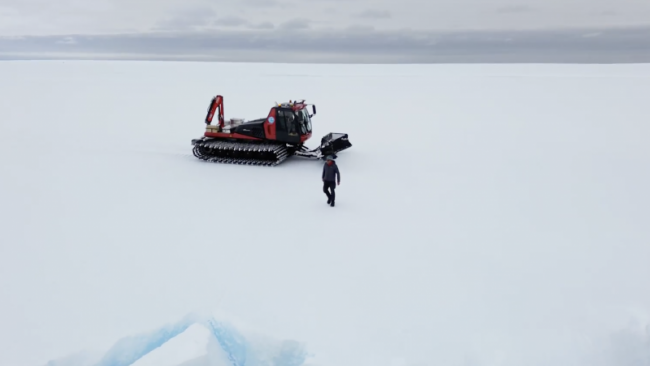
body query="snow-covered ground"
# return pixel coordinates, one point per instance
(487, 215)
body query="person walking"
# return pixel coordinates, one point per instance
(331, 178)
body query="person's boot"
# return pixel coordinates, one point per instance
(332, 204)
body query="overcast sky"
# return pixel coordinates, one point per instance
(377, 22)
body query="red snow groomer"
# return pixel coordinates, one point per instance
(266, 141)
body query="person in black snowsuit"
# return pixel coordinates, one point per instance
(331, 178)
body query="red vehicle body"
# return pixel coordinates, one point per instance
(264, 141)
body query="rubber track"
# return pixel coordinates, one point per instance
(243, 153)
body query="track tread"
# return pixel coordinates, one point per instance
(241, 153)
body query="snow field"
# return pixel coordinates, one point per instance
(487, 214)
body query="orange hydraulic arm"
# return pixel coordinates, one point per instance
(217, 102)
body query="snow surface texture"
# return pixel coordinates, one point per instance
(487, 215)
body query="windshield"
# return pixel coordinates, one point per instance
(304, 124)
(303, 117)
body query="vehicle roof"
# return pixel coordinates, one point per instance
(296, 106)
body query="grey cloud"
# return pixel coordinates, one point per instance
(360, 29)
(608, 13)
(67, 40)
(260, 3)
(613, 45)
(188, 19)
(107, 16)
(263, 25)
(331, 11)
(514, 9)
(374, 14)
(235, 22)
(295, 24)
(230, 21)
